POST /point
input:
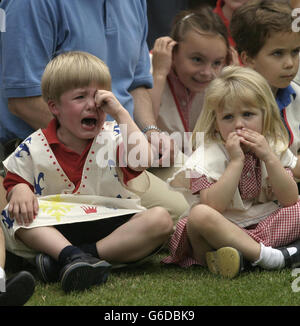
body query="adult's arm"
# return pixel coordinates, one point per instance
(26, 47)
(144, 116)
(33, 110)
(143, 111)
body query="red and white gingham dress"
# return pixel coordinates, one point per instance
(280, 228)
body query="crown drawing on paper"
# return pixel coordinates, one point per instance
(89, 209)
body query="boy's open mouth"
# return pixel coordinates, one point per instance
(90, 122)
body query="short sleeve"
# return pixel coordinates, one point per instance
(198, 184)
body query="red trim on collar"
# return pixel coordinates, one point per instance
(50, 132)
(177, 105)
(288, 127)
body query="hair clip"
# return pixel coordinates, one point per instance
(187, 16)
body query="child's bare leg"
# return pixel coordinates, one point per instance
(207, 226)
(137, 238)
(44, 239)
(206, 223)
(2, 249)
(199, 245)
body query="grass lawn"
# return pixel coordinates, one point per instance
(154, 284)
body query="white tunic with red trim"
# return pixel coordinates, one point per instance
(252, 207)
(171, 118)
(99, 195)
(178, 114)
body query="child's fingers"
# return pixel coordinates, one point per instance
(15, 213)
(35, 207)
(99, 97)
(249, 133)
(171, 44)
(105, 97)
(23, 213)
(247, 142)
(163, 42)
(250, 136)
(234, 138)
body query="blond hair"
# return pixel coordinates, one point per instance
(71, 70)
(244, 85)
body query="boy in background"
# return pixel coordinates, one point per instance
(265, 41)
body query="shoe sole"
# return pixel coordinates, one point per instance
(81, 276)
(225, 261)
(19, 291)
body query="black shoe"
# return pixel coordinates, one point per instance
(227, 262)
(82, 272)
(19, 288)
(293, 260)
(47, 268)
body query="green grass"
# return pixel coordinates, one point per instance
(154, 284)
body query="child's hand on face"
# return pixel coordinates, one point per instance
(233, 146)
(106, 101)
(256, 143)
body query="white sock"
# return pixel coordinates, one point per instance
(270, 258)
(2, 281)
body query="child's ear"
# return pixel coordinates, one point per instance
(246, 59)
(52, 105)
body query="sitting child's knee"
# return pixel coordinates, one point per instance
(162, 220)
(200, 216)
